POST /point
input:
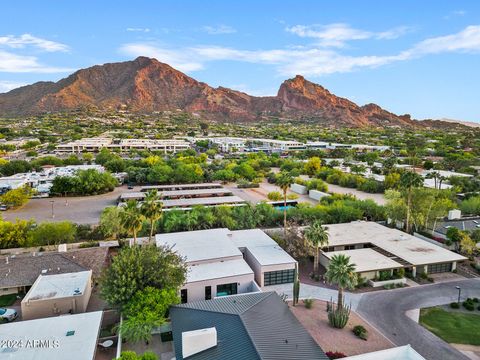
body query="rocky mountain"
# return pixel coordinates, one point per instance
(147, 85)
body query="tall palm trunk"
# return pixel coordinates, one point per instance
(151, 230)
(285, 212)
(134, 236)
(409, 200)
(315, 262)
(340, 298)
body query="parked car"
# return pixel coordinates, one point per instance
(3, 207)
(8, 314)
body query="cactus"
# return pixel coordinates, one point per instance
(338, 316)
(296, 287)
(296, 291)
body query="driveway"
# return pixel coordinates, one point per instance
(386, 311)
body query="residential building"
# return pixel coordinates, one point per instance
(223, 262)
(53, 295)
(249, 326)
(19, 272)
(374, 248)
(72, 337)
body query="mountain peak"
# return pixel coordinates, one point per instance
(145, 85)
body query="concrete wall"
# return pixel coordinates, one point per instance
(299, 189)
(386, 282)
(316, 195)
(36, 309)
(196, 290)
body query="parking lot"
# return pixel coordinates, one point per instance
(81, 209)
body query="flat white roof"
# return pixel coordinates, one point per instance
(218, 269)
(200, 245)
(210, 245)
(80, 345)
(180, 186)
(58, 286)
(262, 247)
(397, 353)
(407, 247)
(216, 200)
(366, 259)
(188, 192)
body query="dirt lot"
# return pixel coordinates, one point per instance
(81, 210)
(343, 340)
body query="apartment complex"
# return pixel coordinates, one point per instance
(122, 145)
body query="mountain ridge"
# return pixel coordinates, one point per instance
(147, 85)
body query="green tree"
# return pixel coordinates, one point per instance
(17, 197)
(146, 310)
(138, 267)
(408, 181)
(131, 218)
(454, 236)
(284, 180)
(151, 209)
(317, 236)
(342, 273)
(110, 222)
(313, 165)
(54, 233)
(17, 234)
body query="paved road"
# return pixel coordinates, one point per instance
(386, 311)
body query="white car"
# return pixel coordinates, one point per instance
(8, 314)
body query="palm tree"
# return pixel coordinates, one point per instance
(283, 181)
(132, 218)
(408, 181)
(317, 236)
(342, 273)
(151, 209)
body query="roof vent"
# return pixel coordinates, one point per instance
(196, 341)
(70, 333)
(77, 292)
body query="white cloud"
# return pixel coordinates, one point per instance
(14, 63)
(132, 29)
(310, 61)
(220, 29)
(467, 40)
(22, 41)
(178, 59)
(336, 35)
(9, 85)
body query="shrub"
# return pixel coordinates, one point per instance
(360, 332)
(475, 300)
(469, 304)
(292, 196)
(335, 355)
(430, 279)
(454, 305)
(274, 196)
(308, 303)
(88, 244)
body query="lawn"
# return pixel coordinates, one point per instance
(7, 300)
(453, 327)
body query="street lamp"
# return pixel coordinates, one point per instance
(459, 292)
(52, 202)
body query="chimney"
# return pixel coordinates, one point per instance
(6, 260)
(196, 341)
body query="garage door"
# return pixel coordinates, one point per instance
(439, 268)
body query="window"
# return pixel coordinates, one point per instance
(227, 289)
(278, 277)
(183, 296)
(208, 292)
(439, 268)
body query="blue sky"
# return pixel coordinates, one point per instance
(417, 57)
